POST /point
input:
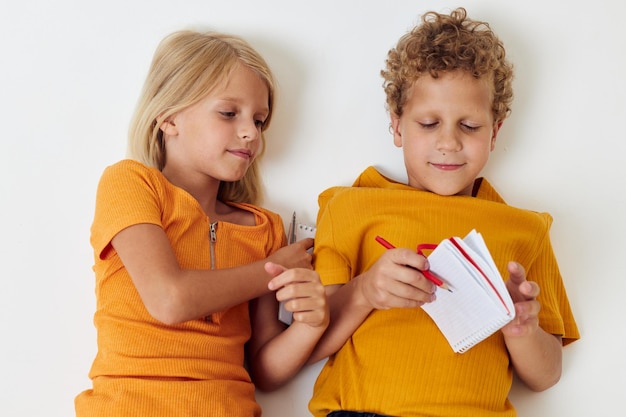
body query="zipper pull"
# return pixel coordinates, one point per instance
(212, 232)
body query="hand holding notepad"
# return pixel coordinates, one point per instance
(479, 304)
(297, 231)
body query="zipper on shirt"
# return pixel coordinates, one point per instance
(212, 240)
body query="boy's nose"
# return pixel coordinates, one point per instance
(448, 141)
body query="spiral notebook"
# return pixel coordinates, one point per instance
(297, 231)
(478, 304)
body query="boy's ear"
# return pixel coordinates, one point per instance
(395, 130)
(494, 133)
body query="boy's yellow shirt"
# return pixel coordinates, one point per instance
(398, 362)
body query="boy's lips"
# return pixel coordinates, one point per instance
(447, 167)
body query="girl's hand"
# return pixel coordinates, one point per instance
(302, 292)
(395, 280)
(294, 255)
(524, 294)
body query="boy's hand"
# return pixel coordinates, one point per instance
(395, 280)
(303, 293)
(524, 294)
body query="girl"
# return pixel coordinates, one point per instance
(185, 263)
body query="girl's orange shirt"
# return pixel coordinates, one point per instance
(142, 366)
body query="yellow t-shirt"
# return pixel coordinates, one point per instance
(397, 362)
(144, 367)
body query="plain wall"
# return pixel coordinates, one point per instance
(70, 75)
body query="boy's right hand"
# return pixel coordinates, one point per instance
(395, 281)
(294, 255)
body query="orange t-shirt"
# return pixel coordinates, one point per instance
(144, 367)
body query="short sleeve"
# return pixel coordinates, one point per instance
(556, 315)
(128, 194)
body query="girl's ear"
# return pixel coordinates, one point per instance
(395, 130)
(494, 133)
(168, 126)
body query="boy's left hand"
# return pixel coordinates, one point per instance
(524, 294)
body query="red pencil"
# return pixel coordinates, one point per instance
(429, 275)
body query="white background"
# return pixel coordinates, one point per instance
(70, 73)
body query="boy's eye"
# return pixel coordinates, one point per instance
(228, 114)
(428, 125)
(259, 123)
(469, 127)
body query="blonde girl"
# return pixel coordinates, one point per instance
(189, 269)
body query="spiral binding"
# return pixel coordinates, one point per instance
(465, 344)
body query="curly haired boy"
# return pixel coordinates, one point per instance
(449, 89)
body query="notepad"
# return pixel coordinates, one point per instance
(297, 231)
(479, 303)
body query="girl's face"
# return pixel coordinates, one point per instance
(217, 138)
(447, 132)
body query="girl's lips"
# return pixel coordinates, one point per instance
(242, 153)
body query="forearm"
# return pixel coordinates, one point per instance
(348, 310)
(192, 294)
(283, 356)
(174, 295)
(536, 358)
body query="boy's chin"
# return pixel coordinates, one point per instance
(447, 190)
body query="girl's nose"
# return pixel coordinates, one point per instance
(249, 131)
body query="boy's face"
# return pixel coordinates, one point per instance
(446, 132)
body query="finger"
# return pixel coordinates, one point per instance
(517, 274)
(276, 271)
(527, 309)
(407, 257)
(304, 303)
(399, 295)
(529, 289)
(299, 287)
(291, 276)
(313, 318)
(307, 243)
(409, 281)
(418, 289)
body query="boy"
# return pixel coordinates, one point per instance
(449, 88)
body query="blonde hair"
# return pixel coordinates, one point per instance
(446, 43)
(186, 67)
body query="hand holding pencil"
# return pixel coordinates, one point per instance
(395, 281)
(429, 275)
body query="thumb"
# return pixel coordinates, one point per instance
(519, 288)
(274, 270)
(517, 274)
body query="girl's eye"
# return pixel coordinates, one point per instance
(228, 114)
(259, 123)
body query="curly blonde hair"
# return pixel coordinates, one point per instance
(187, 66)
(446, 43)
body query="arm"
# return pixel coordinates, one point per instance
(535, 354)
(174, 295)
(276, 354)
(394, 281)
